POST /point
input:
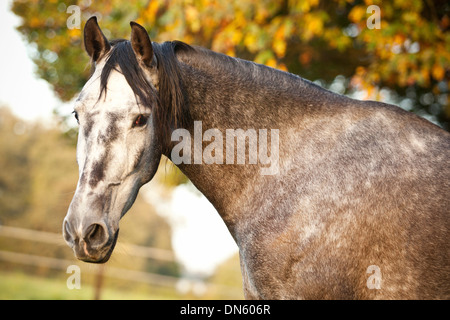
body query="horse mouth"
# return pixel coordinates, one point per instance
(99, 257)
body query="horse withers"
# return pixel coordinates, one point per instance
(357, 208)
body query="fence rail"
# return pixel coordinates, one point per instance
(114, 272)
(56, 238)
(62, 264)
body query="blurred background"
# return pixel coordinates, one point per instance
(173, 244)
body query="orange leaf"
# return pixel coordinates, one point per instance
(357, 13)
(438, 72)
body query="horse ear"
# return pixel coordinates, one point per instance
(141, 44)
(95, 41)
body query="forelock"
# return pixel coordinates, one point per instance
(122, 59)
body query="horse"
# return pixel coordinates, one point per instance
(356, 208)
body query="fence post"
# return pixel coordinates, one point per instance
(99, 282)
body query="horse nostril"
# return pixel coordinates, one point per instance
(95, 235)
(67, 233)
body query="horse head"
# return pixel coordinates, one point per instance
(118, 148)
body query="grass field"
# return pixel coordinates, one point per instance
(20, 286)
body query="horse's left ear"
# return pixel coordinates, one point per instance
(141, 44)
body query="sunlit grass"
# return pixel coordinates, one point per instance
(20, 286)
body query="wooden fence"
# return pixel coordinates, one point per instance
(114, 272)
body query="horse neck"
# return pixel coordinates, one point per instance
(227, 93)
(235, 93)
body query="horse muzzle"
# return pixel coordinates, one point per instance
(93, 242)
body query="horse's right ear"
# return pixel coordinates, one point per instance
(95, 41)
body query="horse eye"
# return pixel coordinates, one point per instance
(140, 121)
(76, 116)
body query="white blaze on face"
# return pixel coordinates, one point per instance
(112, 152)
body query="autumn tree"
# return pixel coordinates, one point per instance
(407, 50)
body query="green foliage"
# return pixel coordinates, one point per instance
(14, 147)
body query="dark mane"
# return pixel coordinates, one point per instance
(168, 105)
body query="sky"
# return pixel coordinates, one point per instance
(200, 238)
(28, 97)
